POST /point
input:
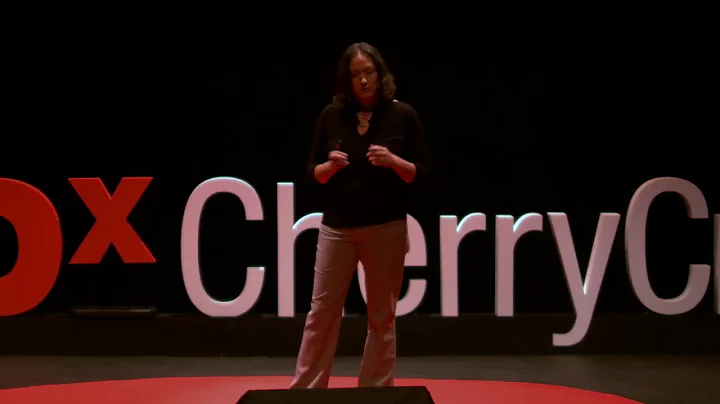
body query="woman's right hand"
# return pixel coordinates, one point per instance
(338, 159)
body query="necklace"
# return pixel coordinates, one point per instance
(363, 121)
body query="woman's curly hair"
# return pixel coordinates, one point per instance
(343, 84)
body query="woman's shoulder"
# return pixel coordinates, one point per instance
(404, 109)
(396, 106)
(331, 110)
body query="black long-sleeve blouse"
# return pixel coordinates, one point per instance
(362, 194)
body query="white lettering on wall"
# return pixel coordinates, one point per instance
(451, 234)
(189, 248)
(507, 234)
(584, 294)
(635, 247)
(288, 232)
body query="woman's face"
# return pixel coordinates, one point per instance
(364, 79)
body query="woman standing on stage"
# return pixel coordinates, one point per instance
(367, 149)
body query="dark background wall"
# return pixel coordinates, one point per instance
(522, 115)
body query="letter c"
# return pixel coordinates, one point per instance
(635, 245)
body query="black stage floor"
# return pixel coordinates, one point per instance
(648, 379)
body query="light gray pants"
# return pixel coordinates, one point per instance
(381, 249)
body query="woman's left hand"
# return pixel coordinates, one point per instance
(381, 156)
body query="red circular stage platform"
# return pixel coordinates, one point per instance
(228, 390)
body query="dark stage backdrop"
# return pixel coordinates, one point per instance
(523, 115)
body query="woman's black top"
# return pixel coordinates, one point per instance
(362, 194)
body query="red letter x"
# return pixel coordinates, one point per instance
(111, 226)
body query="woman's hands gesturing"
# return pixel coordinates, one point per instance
(338, 159)
(381, 156)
